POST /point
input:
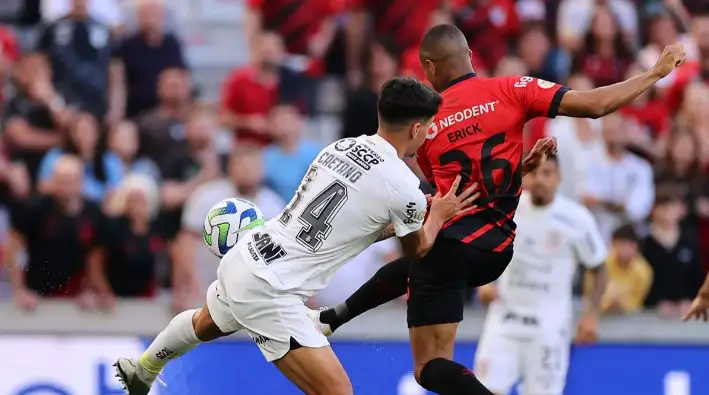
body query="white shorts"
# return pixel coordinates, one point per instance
(539, 363)
(275, 321)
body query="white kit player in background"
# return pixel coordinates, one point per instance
(357, 190)
(527, 336)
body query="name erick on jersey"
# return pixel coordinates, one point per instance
(353, 190)
(477, 133)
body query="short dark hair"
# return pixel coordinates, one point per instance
(405, 99)
(626, 233)
(433, 38)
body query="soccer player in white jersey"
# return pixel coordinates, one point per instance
(526, 337)
(357, 190)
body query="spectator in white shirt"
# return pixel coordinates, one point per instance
(620, 188)
(105, 11)
(574, 21)
(579, 140)
(244, 180)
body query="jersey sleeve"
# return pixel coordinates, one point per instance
(538, 98)
(589, 246)
(407, 211)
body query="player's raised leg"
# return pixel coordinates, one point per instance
(387, 284)
(279, 324)
(185, 332)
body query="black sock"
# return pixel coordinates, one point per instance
(387, 284)
(446, 377)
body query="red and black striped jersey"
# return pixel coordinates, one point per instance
(478, 134)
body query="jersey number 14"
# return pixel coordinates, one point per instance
(317, 216)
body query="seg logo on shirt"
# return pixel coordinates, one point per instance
(412, 215)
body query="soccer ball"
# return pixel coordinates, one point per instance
(227, 220)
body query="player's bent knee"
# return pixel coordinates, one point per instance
(204, 326)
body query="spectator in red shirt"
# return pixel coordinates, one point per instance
(403, 21)
(488, 25)
(249, 92)
(692, 71)
(307, 26)
(605, 56)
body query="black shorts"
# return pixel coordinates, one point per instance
(438, 281)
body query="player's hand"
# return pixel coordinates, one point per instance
(587, 329)
(26, 299)
(487, 294)
(542, 148)
(698, 311)
(672, 57)
(451, 205)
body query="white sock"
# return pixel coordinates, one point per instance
(176, 339)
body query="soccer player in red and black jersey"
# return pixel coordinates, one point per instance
(477, 134)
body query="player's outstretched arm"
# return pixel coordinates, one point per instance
(607, 99)
(443, 208)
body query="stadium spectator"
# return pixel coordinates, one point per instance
(141, 58)
(606, 55)
(404, 22)
(245, 175)
(662, 30)
(188, 168)
(629, 276)
(123, 141)
(692, 71)
(105, 11)
(34, 115)
(287, 160)
(620, 188)
(103, 170)
(129, 244)
(79, 49)
(381, 65)
(58, 230)
(9, 54)
(682, 168)
(308, 27)
(579, 141)
(161, 130)
(249, 92)
(672, 253)
(489, 25)
(575, 20)
(511, 66)
(535, 48)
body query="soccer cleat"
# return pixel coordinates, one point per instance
(315, 317)
(134, 378)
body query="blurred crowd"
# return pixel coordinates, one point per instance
(110, 156)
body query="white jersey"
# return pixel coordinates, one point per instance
(352, 191)
(537, 286)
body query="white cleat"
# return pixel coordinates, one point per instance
(133, 377)
(315, 317)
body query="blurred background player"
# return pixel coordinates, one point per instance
(527, 331)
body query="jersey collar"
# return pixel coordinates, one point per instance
(383, 144)
(460, 79)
